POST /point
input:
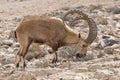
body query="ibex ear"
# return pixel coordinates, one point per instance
(79, 35)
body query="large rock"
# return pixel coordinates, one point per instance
(66, 53)
(36, 51)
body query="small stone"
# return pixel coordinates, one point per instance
(10, 50)
(7, 42)
(101, 20)
(7, 60)
(116, 58)
(110, 42)
(114, 10)
(5, 46)
(115, 46)
(89, 57)
(117, 51)
(115, 77)
(17, 19)
(65, 8)
(108, 50)
(101, 44)
(16, 45)
(100, 55)
(111, 32)
(93, 7)
(103, 74)
(29, 56)
(9, 66)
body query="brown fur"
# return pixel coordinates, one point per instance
(46, 30)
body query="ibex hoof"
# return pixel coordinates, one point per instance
(17, 65)
(54, 61)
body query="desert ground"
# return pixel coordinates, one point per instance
(102, 61)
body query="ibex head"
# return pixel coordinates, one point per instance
(83, 44)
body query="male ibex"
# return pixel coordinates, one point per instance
(54, 33)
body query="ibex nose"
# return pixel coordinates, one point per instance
(78, 55)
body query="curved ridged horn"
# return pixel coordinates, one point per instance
(92, 25)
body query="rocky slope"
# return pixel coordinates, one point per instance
(102, 61)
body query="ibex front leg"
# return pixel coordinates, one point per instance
(51, 57)
(52, 51)
(55, 57)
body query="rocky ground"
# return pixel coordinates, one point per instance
(102, 61)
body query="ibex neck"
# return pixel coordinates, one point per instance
(71, 36)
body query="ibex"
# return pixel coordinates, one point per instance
(54, 33)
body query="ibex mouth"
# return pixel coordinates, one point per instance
(78, 55)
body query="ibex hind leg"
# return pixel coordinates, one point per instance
(25, 42)
(24, 52)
